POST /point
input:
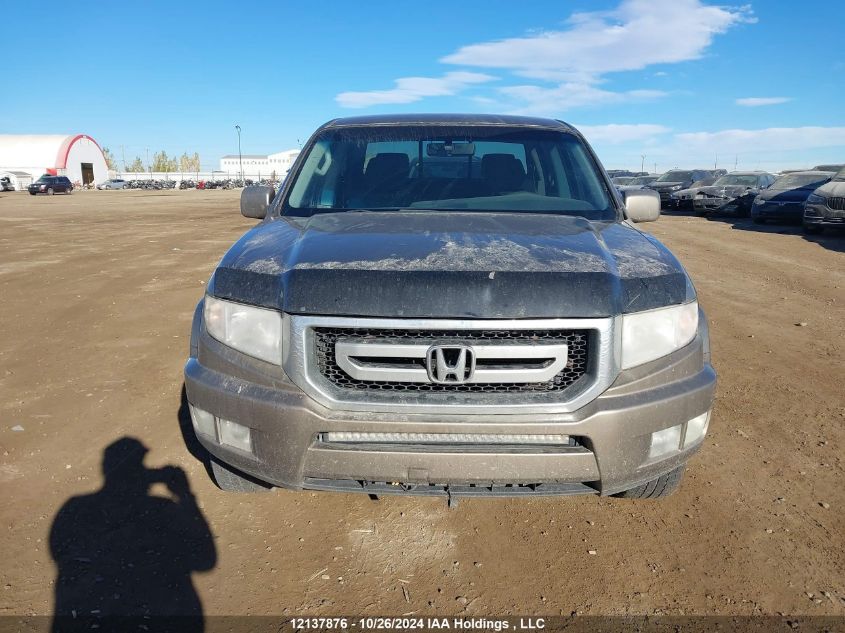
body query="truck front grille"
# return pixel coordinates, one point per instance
(577, 365)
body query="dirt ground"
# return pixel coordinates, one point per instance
(97, 291)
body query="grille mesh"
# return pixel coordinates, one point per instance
(837, 203)
(578, 342)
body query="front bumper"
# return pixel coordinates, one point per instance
(823, 216)
(781, 211)
(613, 432)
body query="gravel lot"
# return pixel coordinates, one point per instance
(98, 290)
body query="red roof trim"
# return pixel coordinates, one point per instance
(64, 150)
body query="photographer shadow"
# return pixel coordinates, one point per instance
(124, 554)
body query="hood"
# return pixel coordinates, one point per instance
(450, 265)
(786, 195)
(667, 185)
(832, 189)
(728, 191)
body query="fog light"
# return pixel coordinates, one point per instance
(696, 428)
(665, 441)
(203, 422)
(234, 434)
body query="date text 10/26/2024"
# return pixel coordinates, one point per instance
(417, 624)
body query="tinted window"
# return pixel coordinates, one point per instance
(736, 179)
(675, 176)
(464, 168)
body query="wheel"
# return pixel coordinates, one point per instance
(809, 229)
(50, 191)
(231, 480)
(32, 193)
(759, 220)
(663, 486)
(69, 191)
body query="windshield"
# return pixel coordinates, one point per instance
(795, 181)
(736, 179)
(675, 176)
(465, 168)
(642, 180)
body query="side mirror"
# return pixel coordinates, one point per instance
(642, 205)
(256, 200)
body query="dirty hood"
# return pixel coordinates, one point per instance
(728, 191)
(450, 265)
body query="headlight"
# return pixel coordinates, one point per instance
(675, 188)
(758, 200)
(815, 199)
(251, 330)
(647, 336)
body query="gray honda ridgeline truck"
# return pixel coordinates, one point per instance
(455, 305)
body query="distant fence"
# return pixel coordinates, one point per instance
(192, 175)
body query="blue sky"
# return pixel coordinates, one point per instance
(680, 81)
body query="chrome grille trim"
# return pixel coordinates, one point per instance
(300, 365)
(349, 355)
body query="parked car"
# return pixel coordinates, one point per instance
(833, 168)
(6, 184)
(113, 183)
(785, 198)
(642, 181)
(825, 207)
(365, 334)
(733, 193)
(634, 183)
(682, 200)
(675, 180)
(50, 185)
(621, 181)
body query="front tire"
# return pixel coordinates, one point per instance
(50, 191)
(662, 486)
(230, 480)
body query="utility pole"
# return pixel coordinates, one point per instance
(716, 162)
(736, 160)
(240, 156)
(655, 168)
(123, 157)
(642, 163)
(149, 167)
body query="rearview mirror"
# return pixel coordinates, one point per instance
(642, 205)
(456, 148)
(255, 201)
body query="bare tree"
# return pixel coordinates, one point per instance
(111, 163)
(137, 165)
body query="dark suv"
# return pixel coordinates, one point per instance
(677, 179)
(51, 185)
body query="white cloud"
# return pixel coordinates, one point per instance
(411, 89)
(592, 44)
(541, 101)
(636, 34)
(753, 102)
(762, 140)
(617, 133)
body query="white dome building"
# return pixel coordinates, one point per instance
(78, 157)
